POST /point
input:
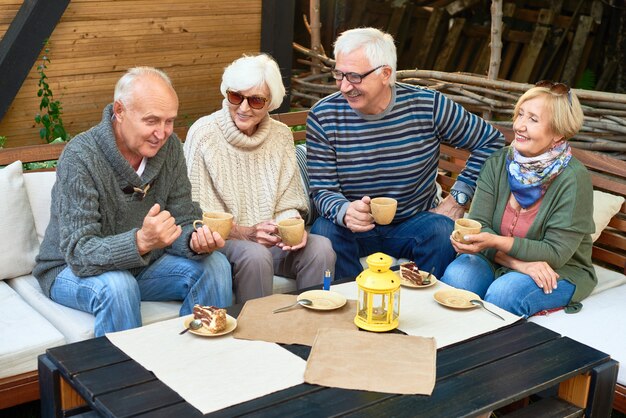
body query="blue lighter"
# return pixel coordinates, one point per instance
(327, 280)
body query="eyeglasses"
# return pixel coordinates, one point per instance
(354, 78)
(556, 88)
(255, 102)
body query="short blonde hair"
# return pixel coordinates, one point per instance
(255, 71)
(565, 111)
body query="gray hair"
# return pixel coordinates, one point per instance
(255, 71)
(124, 87)
(377, 45)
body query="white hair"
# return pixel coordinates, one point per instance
(377, 45)
(255, 71)
(124, 87)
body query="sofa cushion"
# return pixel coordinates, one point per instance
(76, 325)
(18, 242)
(39, 187)
(607, 279)
(24, 334)
(600, 324)
(605, 206)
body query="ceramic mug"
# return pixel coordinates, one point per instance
(383, 209)
(291, 231)
(465, 226)
(220, 222)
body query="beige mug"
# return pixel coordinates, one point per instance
(291, 231)
(383, 209)
(220, 222)
(465, 226)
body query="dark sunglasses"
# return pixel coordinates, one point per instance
(354, 78)
(556, 88)
(255, 102)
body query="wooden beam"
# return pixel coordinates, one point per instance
(276, 39)
(576, 51)
(452, 40)
(22, 42)
(530, 53)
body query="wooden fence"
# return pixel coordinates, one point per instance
(97, 40)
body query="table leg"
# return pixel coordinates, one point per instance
(49, 388)
(57, 396)
(602, 390)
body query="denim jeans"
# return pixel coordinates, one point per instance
(424, 238)
(114, 297)
(514, 291)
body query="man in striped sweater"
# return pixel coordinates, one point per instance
(377, 137)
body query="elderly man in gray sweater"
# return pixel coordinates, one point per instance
(121, 217)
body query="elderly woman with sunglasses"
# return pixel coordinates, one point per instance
(534, 201)
(241, 161)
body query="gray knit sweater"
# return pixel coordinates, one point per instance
(95, 215)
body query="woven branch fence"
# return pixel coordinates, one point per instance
(604, 128)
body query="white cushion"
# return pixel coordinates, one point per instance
(18, 239)
(283, 285)
(600, 324)
(39, 188)
(605, 206)
(607, 279)
(24, 334)
(76, 325)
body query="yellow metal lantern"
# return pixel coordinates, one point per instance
(378, 304)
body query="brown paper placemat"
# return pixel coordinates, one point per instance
(389, 363)
(295, 326)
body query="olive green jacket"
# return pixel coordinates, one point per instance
(559, 235)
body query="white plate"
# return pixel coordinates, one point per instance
(456, 298)
(323, 300)
(231, 324)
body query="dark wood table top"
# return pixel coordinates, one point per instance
(473, 377)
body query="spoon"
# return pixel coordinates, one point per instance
(194, 325)
(427, 279)
(482, 305)
(303, 302)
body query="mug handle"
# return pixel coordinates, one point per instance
(197, 222)
(456, 235)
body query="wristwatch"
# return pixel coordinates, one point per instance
(461, 198)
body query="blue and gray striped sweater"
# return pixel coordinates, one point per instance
(393, 154)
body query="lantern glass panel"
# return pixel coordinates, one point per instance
(396, 304)
(362, 306)
(379, 307)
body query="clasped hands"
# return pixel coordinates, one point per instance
(540, 272)
(159, 230)
(266, 234)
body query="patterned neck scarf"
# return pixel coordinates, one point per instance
(529, 177)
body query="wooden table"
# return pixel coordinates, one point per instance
(473, 377)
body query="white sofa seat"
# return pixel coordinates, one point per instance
(601, 323)
(76, 325)
(24, 334)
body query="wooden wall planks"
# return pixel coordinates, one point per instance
(97, 40)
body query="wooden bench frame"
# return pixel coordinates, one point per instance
(608, 174)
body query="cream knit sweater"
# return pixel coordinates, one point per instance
(256, 178)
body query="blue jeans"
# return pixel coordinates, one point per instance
(424, 238)
(514, 291)
(114, 297)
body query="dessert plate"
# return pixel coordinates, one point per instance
(231, 324)
(456, 298)
(323, 300)
(408, 283)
